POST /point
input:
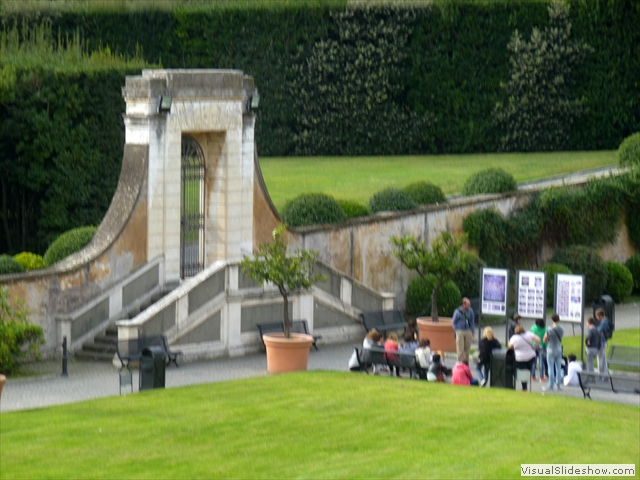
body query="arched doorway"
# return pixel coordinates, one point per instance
(192, 197)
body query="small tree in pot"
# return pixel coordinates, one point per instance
(437, 265)
(288, 272)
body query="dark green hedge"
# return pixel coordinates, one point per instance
(456, 60)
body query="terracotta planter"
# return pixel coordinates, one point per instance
(3, 380)
(440, 334)
(287, 354)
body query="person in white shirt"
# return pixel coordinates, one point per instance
(423, 357)
(573, 369)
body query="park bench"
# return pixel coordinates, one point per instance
(368, 357)
(130, 350)
(624, 356)
(162, 342)
(384, 320)
(616, 382)
(296, 326)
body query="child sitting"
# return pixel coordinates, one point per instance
(462, 375)
(390, 345)
(423, 358)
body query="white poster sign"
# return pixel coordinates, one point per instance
(569, 297)
(494, 292)
(531, 294)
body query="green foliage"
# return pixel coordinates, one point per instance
(491, 180)
(619, 282)
(30, 261)
(436, 265)
(288, 271)
(18, 338)
(418, 300)
(425, 193)
(633, 264)
(551, 269)
(68, 243)
(352, 209)
(352, 77)
(539, 109)
(8, 264)
(312, 209)
(468, 281)
(582, 260)
(390, 200)
(629, 151)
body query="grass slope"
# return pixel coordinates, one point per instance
(315, 425)
(357, 178)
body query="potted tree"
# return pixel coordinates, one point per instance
(436, 266)
(286, 352)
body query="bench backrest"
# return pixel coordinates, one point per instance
(152, 341)
(128, 349)
(296, 326)
(626, 383)
(379, 318)
(624, 355)
(372, 356)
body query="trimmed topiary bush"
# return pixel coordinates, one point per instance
(620, 282)
(30, 261)
(491, 180)
(418, 301)
(352, 209)
(551, 269)
(469, 281)
(425, 193)
(629, 151)
(312, 209)
(390, 200)
(585, 261)
(8, 265)
(68, 243)
(633, 264)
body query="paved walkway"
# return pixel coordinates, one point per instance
(89, 380)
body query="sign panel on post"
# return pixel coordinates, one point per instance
(531, 294)
(569, 301)
(494, 292)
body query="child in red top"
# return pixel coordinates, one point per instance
(390, 345)
(462, 375)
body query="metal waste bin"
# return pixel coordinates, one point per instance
(606, 303)
(503, 368)
(152, 368)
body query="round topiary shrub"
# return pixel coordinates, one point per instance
(424, 193)
(629, 151)
(8, 265)
(491, 180)
(352, 209)
(68, 243)
(391, 200)
(633, 264)
(585, 261)
(30, 261)
(551, 269)
(620, 282)
(469, 281)
(418, 301)
(312, 209)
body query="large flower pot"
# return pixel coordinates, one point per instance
(440, 334)
(287, 354)
(3, 380)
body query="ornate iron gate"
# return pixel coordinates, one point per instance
(191, 209)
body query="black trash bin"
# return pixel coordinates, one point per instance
(606, 303)
(152, 368)
(503, 368)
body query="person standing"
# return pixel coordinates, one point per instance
(539, 329)
(553, 337)
(604, 327)
(517, 320)
(485, 346)
(465, 329)
(592, 343)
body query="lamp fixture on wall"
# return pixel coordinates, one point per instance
(253, 103)
(164, 105)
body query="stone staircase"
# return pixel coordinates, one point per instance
(103, 346)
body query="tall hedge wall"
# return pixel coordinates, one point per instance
(456, 60)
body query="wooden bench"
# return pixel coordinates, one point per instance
(296, 326)
(617, 382)
(624, 356)
(368, 357)
(384, 320)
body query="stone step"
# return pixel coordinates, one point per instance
(95, 356)
(105, 339)
(99, 348)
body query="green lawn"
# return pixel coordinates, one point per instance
(315, 425)
(357, 178)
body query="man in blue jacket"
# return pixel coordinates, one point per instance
(463, 324)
